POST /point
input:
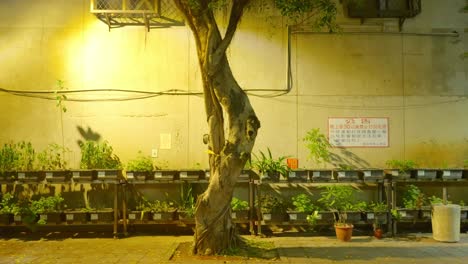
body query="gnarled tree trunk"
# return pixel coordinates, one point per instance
(228, 153)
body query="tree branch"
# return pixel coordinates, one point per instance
(237, 10)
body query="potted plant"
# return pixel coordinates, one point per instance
(99, 156)
(377, 215)
(77, 216)
(7, 208)
(186, 209)
(337, 199)
(52, 163)
(8, 160)
(401, 169)
(272, 209)
(303, 207)
(48, 209)
(140, 168)
(153, 211)
(413, 200)
(100, 215)
(451, 174)
(319, 151)
(373, 175)
(17, 162)
(239, 210)
(347, 172)
(270, 168)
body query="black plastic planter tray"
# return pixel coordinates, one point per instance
(301, 217)
(51, 218)
(105, 216)
(240, 215)
(354, 217)
(425, 214)
(425, 174)
(8, 176)
(138, 176)
(321, 175)
(138, 217)
(451, 174)
(325, 217)
(376, 217)
(30, 176)
(184, 217)
(76, 217)
(373, 175)
(348, 175)
(298, 176)
(163, 216)
(398, 175)
(245, 175)
(191, 175)
(408, 214)
(269, 177)
(6, 219)
(164, 175)
(83, 175)
(108, 175)
(271, 217)
(57, 176)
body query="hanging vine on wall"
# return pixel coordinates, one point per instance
(60, 97)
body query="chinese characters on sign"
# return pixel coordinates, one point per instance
(358, 132)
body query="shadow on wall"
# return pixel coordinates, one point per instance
(347, 160)
(87, 135)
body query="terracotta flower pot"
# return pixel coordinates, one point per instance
(378, 233)
(344, 232)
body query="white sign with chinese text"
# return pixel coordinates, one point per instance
(358, 131)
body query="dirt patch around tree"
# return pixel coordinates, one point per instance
(250, 250)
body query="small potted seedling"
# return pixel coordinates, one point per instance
(319, 152)
(239, 210)
(401, 169)
(413, 200)
(273, 209)
(48, 209)
(140, 168)
(269, 168)
(52, 163)
(99, 156)
(303, 207)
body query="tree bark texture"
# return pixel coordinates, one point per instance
(214, 231)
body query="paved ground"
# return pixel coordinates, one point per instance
(158, 249)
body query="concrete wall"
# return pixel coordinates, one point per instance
(419, 82)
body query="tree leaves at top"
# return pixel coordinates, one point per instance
(323, 10)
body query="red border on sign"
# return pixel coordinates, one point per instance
(344, 117)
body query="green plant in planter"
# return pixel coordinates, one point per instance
(339, 199)
(437, 200)
(318, 146)
(47, 204)
(141, 164)
(303, 203)
(95, 155)
(187, 200)
(52, 158)
(266, 164)
(403, 166)
(8, 157)
(8, 204)
(26, 156)
(271, 204)
(238, 204)
(395, 214)
(156, 206)
(413, 198)
(377, 207)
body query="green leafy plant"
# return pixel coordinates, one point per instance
(187, 200)
(8, 204)
(318, 146)
(312, 218)
(156, 206)
(52, 158)
(413, 198)
(141, 164)
(339, 199)
(403, 166)
(17, 157)
(271, 204)
(60, 97)
(465, 164)
(96, 155)
(269, 165)
(437, 200)
(8, 157)
(47, 204)
(395, 214)
(239, 205)
(377, 207)
(303, 203)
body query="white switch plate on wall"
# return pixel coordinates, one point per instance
(154, 153)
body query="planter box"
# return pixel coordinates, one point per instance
(376, 217)
(425, 213)
(325, 217)
(191, 175)
(108, 175)
(426, 174)
(57, 176)
(274, 217)
(51, 218)
(8, 176)
(83, 175)
(464, 213)
(20, 220)
(163, 216)
(373, 175)
(76, 217)
(348, 175)
(354, 217)
(164, 175)
(6, 219)
(240, 215)
(451, 174)
(321, 175)
(295, 216)
(104, 216)
(138, 175)
(270, 177)
(398, 175)
(298, 176)
(30, 176)
(408, 214)
(245, 175)
(135, 217)
(185, 217)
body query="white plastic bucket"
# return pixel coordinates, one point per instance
(446, 222)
